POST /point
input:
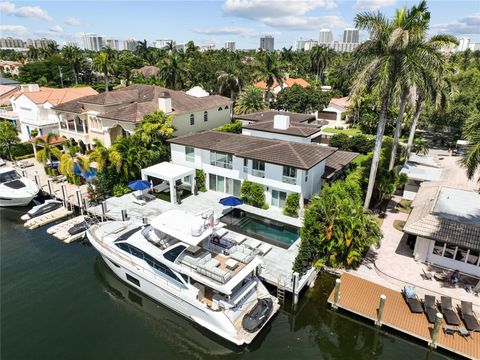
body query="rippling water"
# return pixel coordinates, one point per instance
(61, 301)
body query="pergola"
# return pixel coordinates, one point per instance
(170, 173)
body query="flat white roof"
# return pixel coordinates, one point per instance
(458, 205)
(421, 173)
(168, 171)
(423, 160)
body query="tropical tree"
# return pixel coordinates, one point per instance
(142, 49)
(71, 157)
(134, 156)
(73, 55)
(250, 100)
(103, 62)
(153, 133)
(320, 57)
(104, 156)
(270, 71)
(8, 136)
(44, 155)
(33, 53)
(230, 83)
(172, 72)
(471, 160)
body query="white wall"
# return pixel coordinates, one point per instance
(216, 118)
(33, 116)
(277, 136)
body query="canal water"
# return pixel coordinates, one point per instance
(61, 301)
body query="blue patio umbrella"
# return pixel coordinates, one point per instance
(231, 201)
(90, 174)
(139, 185)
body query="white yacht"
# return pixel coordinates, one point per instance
(178, 261)
(15, 190)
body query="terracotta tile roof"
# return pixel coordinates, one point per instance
(57, 96)
(342, 102)
(138, 100)
(7, 89)
(286, 82)
(147, 71)
(295, 128)
(54, 141)
(300, 156)
(336, 162)
(426, 222)
(268, 115)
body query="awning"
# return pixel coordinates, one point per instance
(167, 171)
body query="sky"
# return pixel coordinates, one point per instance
(217, 21)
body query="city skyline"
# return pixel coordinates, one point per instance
(244, 22)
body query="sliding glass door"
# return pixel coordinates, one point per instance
(278, 198)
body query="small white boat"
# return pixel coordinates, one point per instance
(15, 190)
(42, 209)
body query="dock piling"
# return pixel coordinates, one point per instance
(383, 298)
(37, 178)
(336, 295)
(436, 330)
(64, 194)
(295, 291)
(24, 173)
(104, 209)
(49, 183)
(124, 215)
(145, 220)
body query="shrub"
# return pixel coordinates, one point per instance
(200, 180)
(74, 179)
(22, 149)
(120, 189)
(252, 193)
(358, 143)
(28, 156)
(292, 204)
(234, 127)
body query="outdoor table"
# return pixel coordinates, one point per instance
(193, 249)
(231, 264)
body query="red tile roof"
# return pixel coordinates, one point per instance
(57, 96)
(286, 83)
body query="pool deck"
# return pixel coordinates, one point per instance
(277, 264)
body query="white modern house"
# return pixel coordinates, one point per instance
(33, 107)
(419, 169)
(114, 113)
(446, 223)
(335, 110)
(282, 167)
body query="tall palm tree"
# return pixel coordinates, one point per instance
(250, 100)
(320, 58)
(231, 82)
(44, 155)
(104, 156)
(33, 53)
(471, 160)
(103, 62)
(270, 71)
(73, 55)
(134, 156)
(172, 72)
(142, 49)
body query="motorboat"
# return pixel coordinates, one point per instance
(173, 261)
(42, 209)
(15, 190)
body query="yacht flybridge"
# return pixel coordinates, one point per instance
(178, 261)
(15, 190)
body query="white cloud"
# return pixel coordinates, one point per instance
(35, 12)
(72, 21)
(373, 4)
(13, 29)
(57, 29)
(284, 14)
(223, 31)
(467, 25)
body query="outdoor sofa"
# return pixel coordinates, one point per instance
(430, 308)
(449, 314)
(409, 294)
(468, 316)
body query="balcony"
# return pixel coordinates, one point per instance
(245, 170)
(258, 173)
(225, 165)
(289, 180)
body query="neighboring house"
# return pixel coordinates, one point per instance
(6, 113)
(282, 167)
(197, 91)
(10, 68)
(5, 81)
(288, 82)
(336, 110)
(114, 113)
(147, 71)
(33, 105)
(419, 169)
(269, 115)
(446, 223)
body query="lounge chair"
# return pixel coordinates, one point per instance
(468, 316)
(451, 317)
(430, 307)
(411, 299)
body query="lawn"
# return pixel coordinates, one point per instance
(405, 206)
(349, 132)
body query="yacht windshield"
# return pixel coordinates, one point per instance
(173, 254)
(9, 176)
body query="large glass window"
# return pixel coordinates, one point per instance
(220, 159)
(217, 183)
(289, 175)
(9, 176)
(278, 198)
(258, 168)
(189, 154)
(192, 119)
(173, 254)
(233, 187)
(472, 257)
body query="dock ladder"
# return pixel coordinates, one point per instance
(281, 291)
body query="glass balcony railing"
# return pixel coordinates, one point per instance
(258, 173)
(225, 165)
(245, 169)
(289, 180)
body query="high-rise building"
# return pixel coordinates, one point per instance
(180, 47)
(267, 43)
(92, 42)
(342, 47)
(230, 45)
(41, 43)
(326, 36)
(207, 47)
(130, 44)
(309, 44)
(350, 36)
(300, 44)
(160, 44)
(12, 43)
(112, 44)
(463, 44)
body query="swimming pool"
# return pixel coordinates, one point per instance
(271, 231)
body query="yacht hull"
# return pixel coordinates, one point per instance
(15, 201)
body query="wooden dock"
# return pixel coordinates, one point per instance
(362, 297)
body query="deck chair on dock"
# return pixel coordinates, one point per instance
(430, 308)
(446, 308)
(468, 316)
(409, 294)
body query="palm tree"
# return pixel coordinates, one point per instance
(320, 58)
(230, 82)
(44, 155)
(134, 156)
(73, 55)
(250, 100)
(172, 72)
(155, 128)
(103, 156)
(32, 53)
(471, 160)
(103, 62)
(142, 49)
(269, 70)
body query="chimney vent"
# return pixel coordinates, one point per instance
(165, 102)
(281, 122)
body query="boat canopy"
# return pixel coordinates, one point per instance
(187, 228)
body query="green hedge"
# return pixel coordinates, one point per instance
(292, 204)
(200, 180)
(28, 156)
(120, 189)
(253, 194)
(234, 127)
(357, 143)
